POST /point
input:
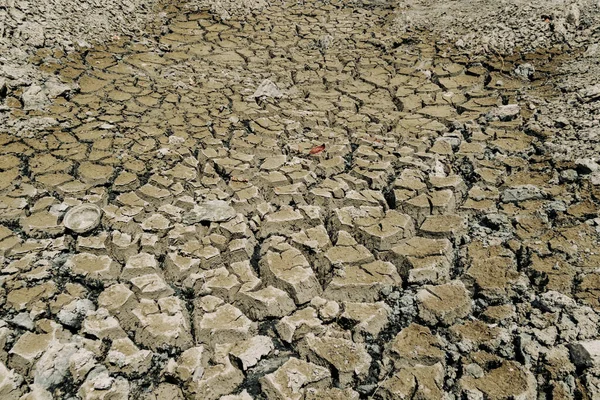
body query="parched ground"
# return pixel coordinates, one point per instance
(301, 203)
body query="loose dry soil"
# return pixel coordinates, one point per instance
(299, 200)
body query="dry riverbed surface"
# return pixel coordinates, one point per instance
(303, 202)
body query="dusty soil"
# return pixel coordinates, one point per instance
(301, 200)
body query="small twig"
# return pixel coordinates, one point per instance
(381, 381)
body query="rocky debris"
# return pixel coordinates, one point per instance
(501, 27)
(74, 312)
(415, 345)
(505, 381)
(504, 113)
(421, 381)
(226, 324)
(267, 89)
(288, 269)
(368, 318)
(250, 351)
(347, 358)
(293, 379)
(586, 353)
(10, 383)
(522, 193)
(363, 283)
(210, 211)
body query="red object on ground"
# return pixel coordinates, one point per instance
(317, 149)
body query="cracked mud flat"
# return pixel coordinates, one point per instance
(294, 205)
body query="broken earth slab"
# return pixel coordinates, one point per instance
(210, 211)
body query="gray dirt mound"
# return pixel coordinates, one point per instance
(501, 26)
(27, 26)
(46, 23)
(225, 9)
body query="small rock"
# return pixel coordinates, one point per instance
(210, 211)
(568, 175)
(591, 93)
(474, 370)
(586, 165)
(585, 354)
(250, 351)
(267, 89)
(73, 313)
(504, 113)
(525, 71)
(292, 378)
(23, 320)
(522, 193)
(444, 304)
(555, 301)
(329, 311)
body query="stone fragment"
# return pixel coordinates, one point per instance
(420, 247)
(331, 394)
(24, 298)
(162, 324)
(349, 359)
(522, 193)
(119, 300)
(242, 396)
(91, 266)
(139, 265)
(95, 174)
(100, 324)
(418, 382)
(587, 165)
(267, 89)
(125, 357)
(348, 252)
(296, 326)
(367, 318)
(219, 377)
(10, 383)
(217, 282)
(41, 224)
(446, 226)
(100, 385)
(363, 283)
(80, 363)
(165, 391)
(26, 350)
(227, 324)
(416, 345)
(508, 380)
(288, 269)
(585, 354)
(210, 211)
(329, 311)
(494, 277)
(505, 112)
(151, 286)
(444, 304)
(191, 363)
(249, 352)
(73, 313)
(471, 335)
(293, 379)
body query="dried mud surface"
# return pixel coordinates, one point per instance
(300, 203)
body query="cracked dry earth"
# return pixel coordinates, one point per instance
(179, 232)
